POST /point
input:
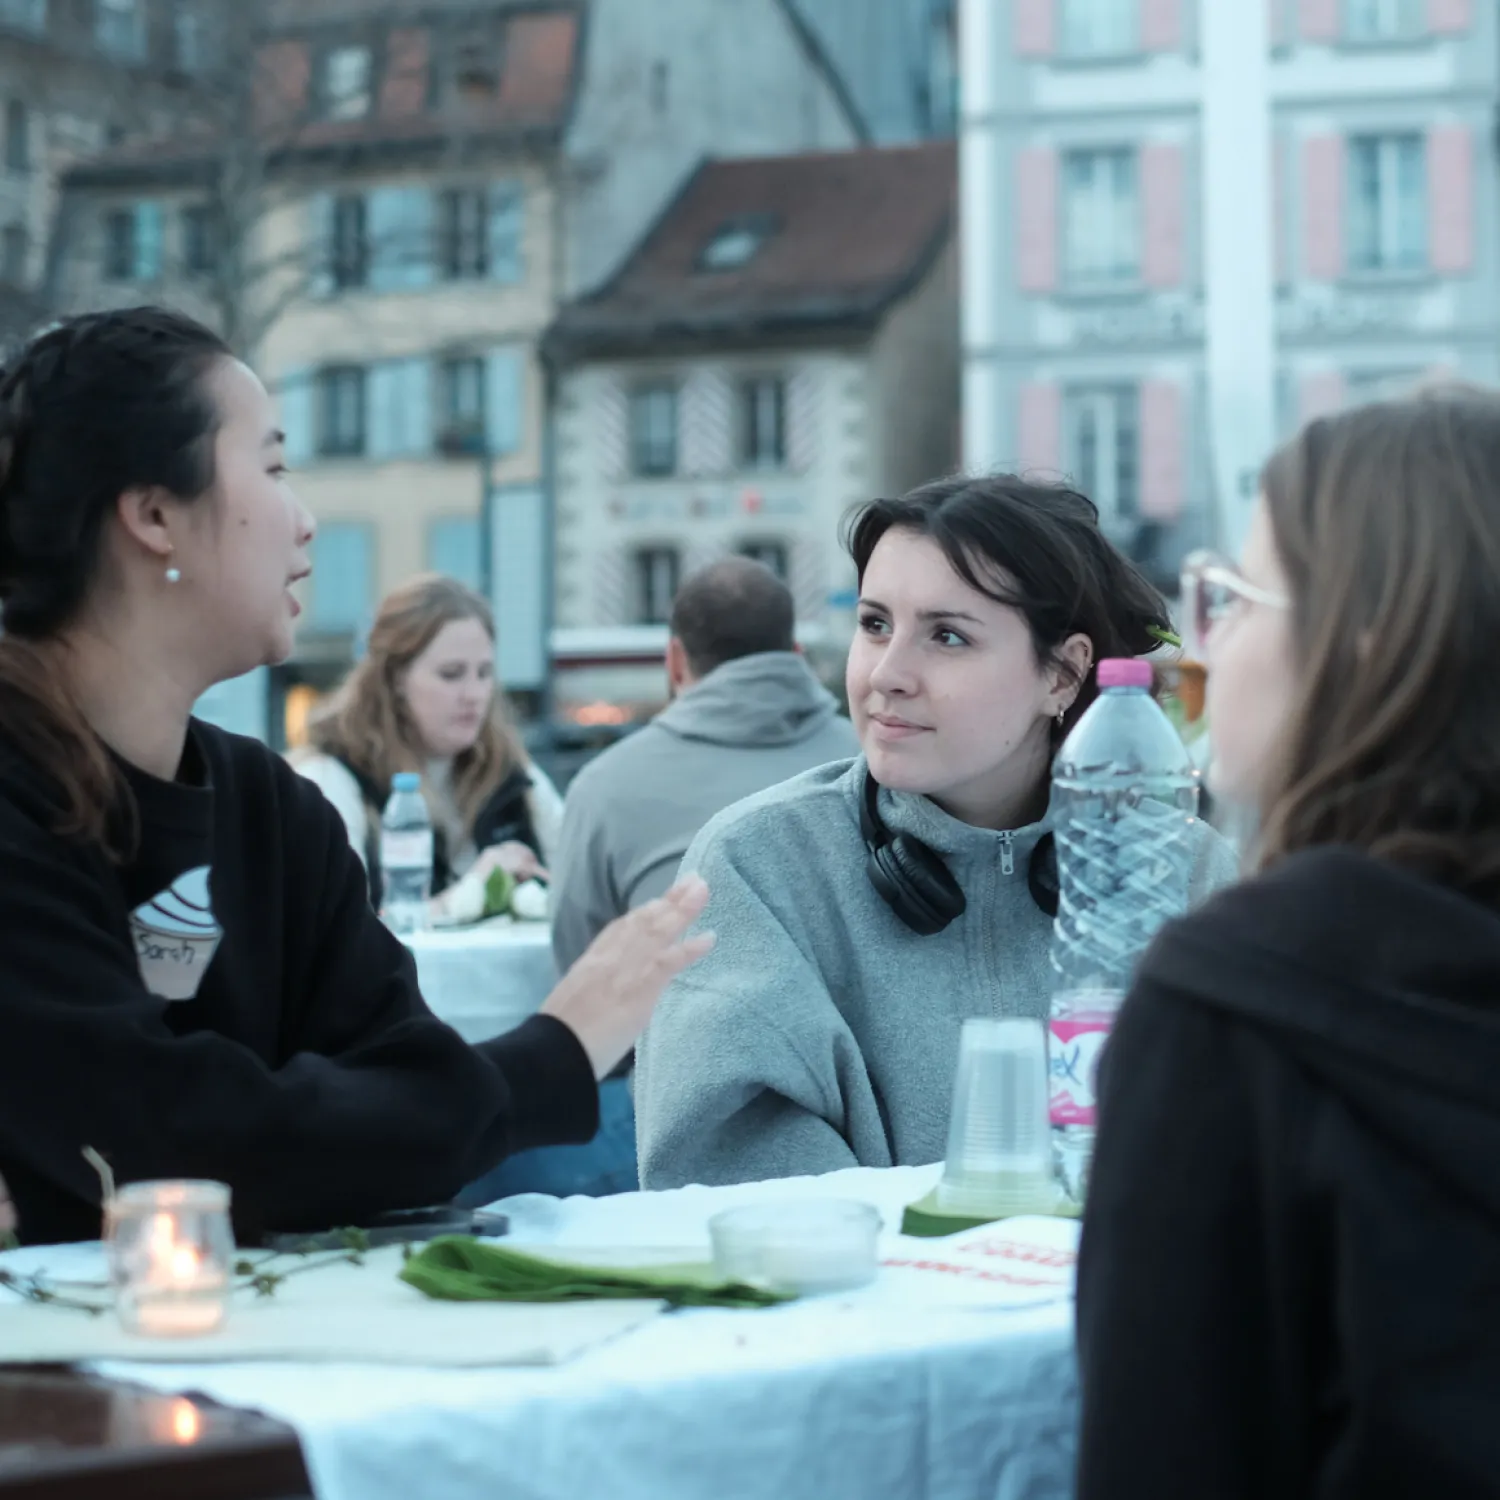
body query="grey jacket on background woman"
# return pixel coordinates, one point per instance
(632, 812)
(821, 1033)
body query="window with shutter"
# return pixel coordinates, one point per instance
(453, 548)
(343, 577)
(119, 244)
(653, 430)
(461, 406)
(1101, 216)
(464, 232)
(1099, 28)
(657, 573)
(507, 224)
(763, 423)
(341, 411)
(17, 137)
(505, 396)
(1103, 426)
(1387, 203)
(349, 261)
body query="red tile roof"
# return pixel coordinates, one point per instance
(534, 96)
(848, 233)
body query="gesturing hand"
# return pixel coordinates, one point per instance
(607, 997)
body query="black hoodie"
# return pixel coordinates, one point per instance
(1290, 1275)
(227, 1005)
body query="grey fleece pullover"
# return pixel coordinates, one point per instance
(632, 811)
(821, 1033)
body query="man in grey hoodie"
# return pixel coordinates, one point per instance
(747, 713)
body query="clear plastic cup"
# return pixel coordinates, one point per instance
(999, 1158)
(801, 1245)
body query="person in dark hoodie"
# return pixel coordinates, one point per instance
(194, 982)
(1289, 1281)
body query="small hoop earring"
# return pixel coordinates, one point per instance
(174, 575)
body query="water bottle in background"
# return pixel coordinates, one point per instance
(406, 855)
(1124, 812)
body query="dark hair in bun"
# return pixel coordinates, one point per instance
(90, 408)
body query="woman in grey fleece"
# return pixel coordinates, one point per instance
(822, 1031)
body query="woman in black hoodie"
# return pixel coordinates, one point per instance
(192, 981)
(1290, 1275)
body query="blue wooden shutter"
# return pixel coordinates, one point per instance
(400, 409)
(400, 235)
(453, 548)
(343, 581)
(149, 231)
(320, 245)
(383, 410)
(504, 399)
(296, 393)
(507, 226)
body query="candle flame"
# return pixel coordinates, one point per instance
(186, 1423)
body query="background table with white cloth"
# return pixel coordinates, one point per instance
(844, 1397)
(484, 980)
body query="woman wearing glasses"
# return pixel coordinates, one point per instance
(1290, 1278)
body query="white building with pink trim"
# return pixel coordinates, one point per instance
(1102, 312)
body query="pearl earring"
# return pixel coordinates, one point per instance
(174, 575)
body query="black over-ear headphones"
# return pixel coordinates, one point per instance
(913, 881)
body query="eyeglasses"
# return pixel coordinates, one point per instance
(1213, 589)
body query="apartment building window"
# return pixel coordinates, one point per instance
(772, 555)
(24, 15)
(657, 572)
(341, 411)
(119, 245)
(462, 396)
(344, 83)
(17, 137)
(13, 246)
(120, 28)
(194, 42)
(1099, 28)
(464, 234)
(1384, 20)
(1101, 216)
(343, 581)
(350, 258)
(1387, 203)
(453, 548)
(763, 423)
(1103, 434)
(200, 240)
(653, 430)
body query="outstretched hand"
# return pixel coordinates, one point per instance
(608, 996)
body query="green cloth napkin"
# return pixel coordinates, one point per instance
(925, 1220)
(459, 1268)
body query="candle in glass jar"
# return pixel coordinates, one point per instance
(171, 1251)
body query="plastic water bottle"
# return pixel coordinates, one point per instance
(406, 855)
(1124, 810)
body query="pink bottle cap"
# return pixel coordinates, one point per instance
(1124, 671)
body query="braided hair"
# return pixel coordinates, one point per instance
(90, 408)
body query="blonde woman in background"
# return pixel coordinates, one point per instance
(424, 699)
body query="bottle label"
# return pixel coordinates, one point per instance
(401, 849)
(1073, 1051)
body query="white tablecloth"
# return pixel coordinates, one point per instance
(487, 979)
(847, 1397)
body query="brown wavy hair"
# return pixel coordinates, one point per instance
(1387, 523)
(367, 724)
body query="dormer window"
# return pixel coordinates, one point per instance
(735, 243)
